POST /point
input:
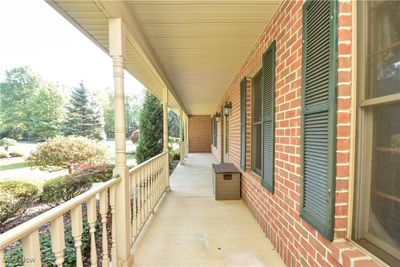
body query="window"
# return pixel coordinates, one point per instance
(377, 198)
(243, 124)
(318, 135)
(256, 145)
(215, 132)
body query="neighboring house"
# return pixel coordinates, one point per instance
(303, 97)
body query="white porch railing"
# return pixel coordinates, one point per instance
(148, 182)
(28, 232)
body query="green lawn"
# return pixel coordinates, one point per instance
(13, 166)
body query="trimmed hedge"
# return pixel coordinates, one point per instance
(3, 155)
(15, 198)
(61, 189)
(15, 154)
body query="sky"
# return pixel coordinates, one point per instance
(32, 33)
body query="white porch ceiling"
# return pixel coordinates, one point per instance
(198, 45)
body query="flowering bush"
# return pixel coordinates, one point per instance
(63, 152)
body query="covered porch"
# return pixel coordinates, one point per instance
(190, 228)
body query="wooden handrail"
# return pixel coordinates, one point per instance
(146, 162)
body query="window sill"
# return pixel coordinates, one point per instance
(343, 250)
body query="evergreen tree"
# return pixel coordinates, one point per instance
(151, 129)
(84, 117)
(173, 124)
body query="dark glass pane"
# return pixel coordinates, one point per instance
(383, 49)
(384, 214)
(257, 81)
(257, 147)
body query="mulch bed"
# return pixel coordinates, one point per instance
(174, 163)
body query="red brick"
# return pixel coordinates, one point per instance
(199, 133)
(344, 21)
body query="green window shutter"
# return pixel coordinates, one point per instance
(319, 72)
(268, 117)
(243, 86)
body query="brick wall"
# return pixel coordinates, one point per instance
(199, 133)
(278, 214)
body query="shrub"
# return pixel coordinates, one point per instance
(135, 136)
(63, 151)
(63, 188)
(3, 155)
(14, 257)
(16, 154)
(98, 173)
(6, 142)
(60, 189)
(15, 198)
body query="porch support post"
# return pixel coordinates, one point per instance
(117, 41)
(181, 132)
(187, 132)
(165, 134)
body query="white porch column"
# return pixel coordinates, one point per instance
(187, 131)
(165, 135)
(117, 41)
(181, 148)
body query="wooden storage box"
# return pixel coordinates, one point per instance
(226, 182)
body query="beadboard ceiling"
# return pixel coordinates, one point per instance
(193, 47)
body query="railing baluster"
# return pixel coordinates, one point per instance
(145, 192)
(57, 239)
(158, 179)
(2, 263)
(142, 197)
(152, 186)
(114, 258)
(91, 214)
(139, 194)
(31, 250)
(148, 190)
(134, 197)
(77, 229)
(137, 199)
(103, 213)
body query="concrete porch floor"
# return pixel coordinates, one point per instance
(190, 228)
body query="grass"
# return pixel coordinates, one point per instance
(13, 166)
